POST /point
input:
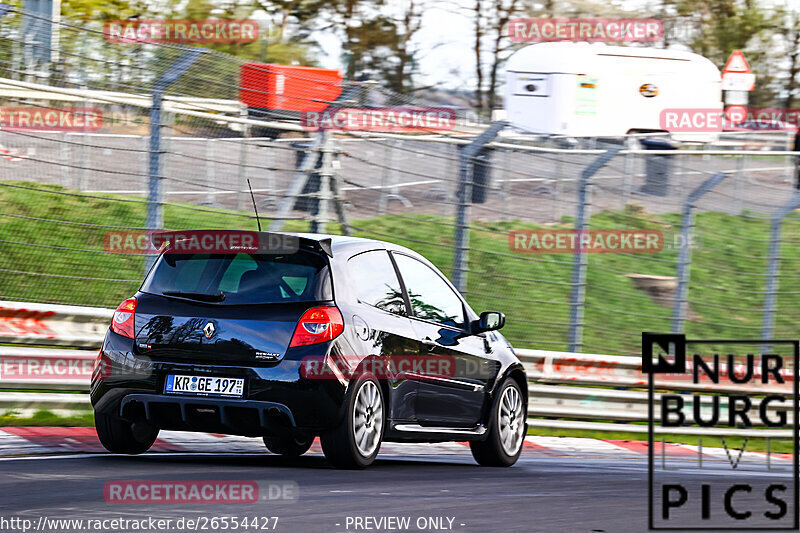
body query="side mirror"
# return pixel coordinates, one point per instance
(489, 321)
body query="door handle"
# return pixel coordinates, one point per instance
(429, 343)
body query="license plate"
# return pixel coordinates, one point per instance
(205, 385)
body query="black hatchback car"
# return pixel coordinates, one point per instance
(356, 341)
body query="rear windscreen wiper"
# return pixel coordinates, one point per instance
(200, 296)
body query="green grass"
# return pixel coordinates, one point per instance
(48, 418)
(532, 289)
(734, 444)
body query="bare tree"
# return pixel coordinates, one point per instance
(480, 30)
(400, 79)
(792, 36)
(504, 11)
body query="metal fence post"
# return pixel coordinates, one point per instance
(558, 185)
(242, 194)
(84, 162)
(773, 265)
(739, 185)
(299, 181)
(394, 190)
(271, 164)
(66, 156)
(210, 168)
(627, 171)
(507, 163)
(388, 154)
(580, 259)
(145, 159)
(680, 306)
(164, 154)
(336, 193)
(464, 195)
(320, 220)
(155, 214)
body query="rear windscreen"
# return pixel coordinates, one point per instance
(241, 278)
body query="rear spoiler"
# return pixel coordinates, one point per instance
(319, 245)
(236, 241)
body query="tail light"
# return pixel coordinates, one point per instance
(318, 324)
(102, 366)
(122, 322)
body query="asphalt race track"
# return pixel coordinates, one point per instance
(540, 493)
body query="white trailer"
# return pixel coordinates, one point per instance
(596, 90)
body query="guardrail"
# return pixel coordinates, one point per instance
(52, 324)
(589, 388)
(567, 390)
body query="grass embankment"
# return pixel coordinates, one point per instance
(728, 266)
(61, 236)
(734, 444)
(47, 418)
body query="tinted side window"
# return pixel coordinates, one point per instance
(376, 282)
(431, 297)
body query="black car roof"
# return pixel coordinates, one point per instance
(330, 244)
(344, 243)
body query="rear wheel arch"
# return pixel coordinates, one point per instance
(340, 444)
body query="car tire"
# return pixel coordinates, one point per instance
(118, 435)
(288, 445)
(506, 428)
(355, 442)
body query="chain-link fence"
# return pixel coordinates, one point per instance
(177, 148)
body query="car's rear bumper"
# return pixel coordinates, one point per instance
(276, 398)
(220, 415)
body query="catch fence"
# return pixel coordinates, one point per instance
(179, 155)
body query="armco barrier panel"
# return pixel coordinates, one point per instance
(51, 324)
(46, 368)
(566, 390)
(623, 371)
(560, 387)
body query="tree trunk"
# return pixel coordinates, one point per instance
(478, 63)
(794, 64)
(492, 97)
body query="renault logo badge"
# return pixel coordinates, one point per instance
(209, 330)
